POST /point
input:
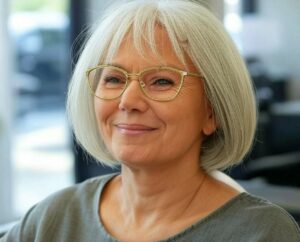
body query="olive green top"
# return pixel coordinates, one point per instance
(71, 215)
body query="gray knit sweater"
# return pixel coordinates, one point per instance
(71, 215)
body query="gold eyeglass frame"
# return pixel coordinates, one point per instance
(141, 83)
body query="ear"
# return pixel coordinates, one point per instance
(210, 125)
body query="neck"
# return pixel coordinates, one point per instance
(158, 194)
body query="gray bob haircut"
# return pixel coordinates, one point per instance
(193, 32)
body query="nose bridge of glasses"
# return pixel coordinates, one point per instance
(135, 77)
(132, 77)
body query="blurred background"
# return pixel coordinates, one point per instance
(38, 45)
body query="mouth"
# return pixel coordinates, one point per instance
(134, 129)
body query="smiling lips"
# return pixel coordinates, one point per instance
(134, 129)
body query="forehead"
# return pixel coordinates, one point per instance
(137, 53)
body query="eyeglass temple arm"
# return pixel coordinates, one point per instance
(194, 74)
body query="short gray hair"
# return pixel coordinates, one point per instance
(193, 31)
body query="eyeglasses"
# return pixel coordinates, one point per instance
(158, 83)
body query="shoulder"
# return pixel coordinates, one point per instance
(261, 217)
(60, 211)
(258, 206)
(244, 218)
(74, 196)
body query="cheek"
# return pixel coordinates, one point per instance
(103, 111)
(192, 117)
(183, 119)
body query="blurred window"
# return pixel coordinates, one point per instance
(41, 150)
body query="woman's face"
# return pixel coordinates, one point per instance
(142, 132)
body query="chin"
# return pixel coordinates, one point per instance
(129, 152)
(134, 160)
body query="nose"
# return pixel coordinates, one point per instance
(132, 98)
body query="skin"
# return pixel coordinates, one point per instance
(161, 189)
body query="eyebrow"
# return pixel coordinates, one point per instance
(117, 65)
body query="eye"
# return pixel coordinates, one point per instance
(163, 82)
(113, 82)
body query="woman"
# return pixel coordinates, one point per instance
(161, 90)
